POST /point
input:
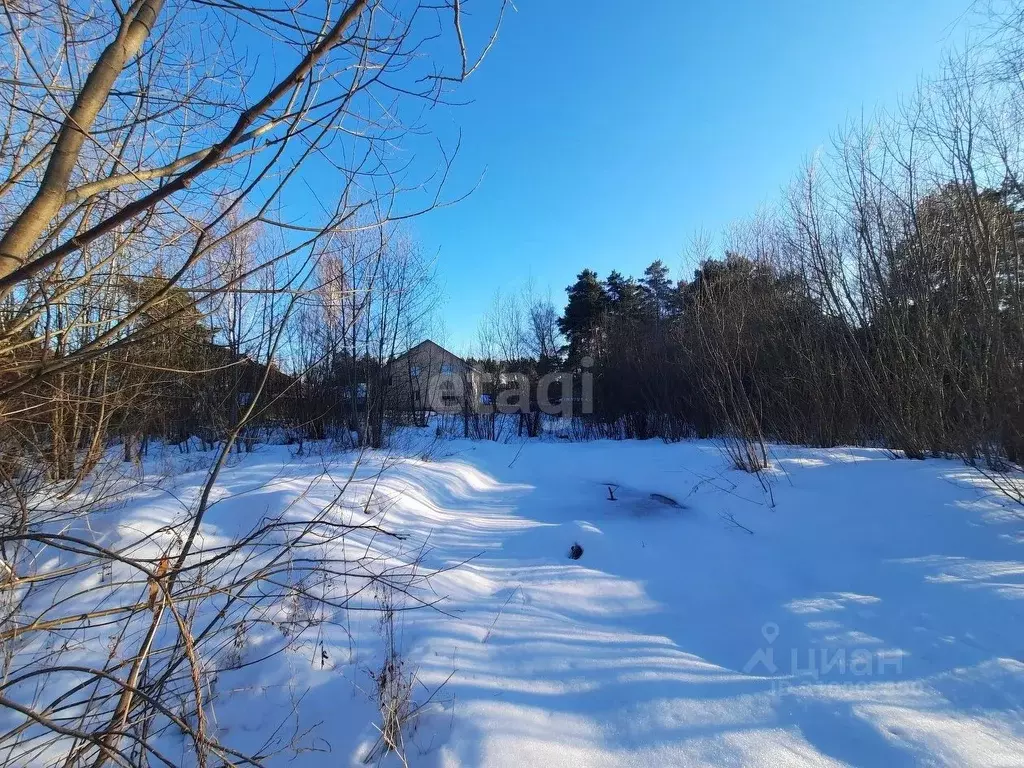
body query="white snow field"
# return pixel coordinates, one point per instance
(874, 616)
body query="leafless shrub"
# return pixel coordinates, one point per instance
(393, 681)
(744, 454)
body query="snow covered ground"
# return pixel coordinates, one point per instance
(874, 615)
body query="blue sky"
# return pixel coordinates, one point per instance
(607, 134)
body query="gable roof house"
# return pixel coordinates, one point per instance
(430, 378)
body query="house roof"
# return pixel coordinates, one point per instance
(431, 343)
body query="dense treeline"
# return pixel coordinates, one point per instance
(865, 311)
(925, 357)
(879, 304)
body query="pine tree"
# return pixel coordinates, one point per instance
(657, 290)
(584, 316)
(625, 296)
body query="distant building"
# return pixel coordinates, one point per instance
(430, 378)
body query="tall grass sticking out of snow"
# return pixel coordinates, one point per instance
(149, 621)
(393, 682)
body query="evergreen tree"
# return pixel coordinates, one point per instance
(677, 299)
(584, 315)
(625, 297)
(657, 290)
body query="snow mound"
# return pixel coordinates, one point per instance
(867, 611)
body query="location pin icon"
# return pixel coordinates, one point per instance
(770, 631)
